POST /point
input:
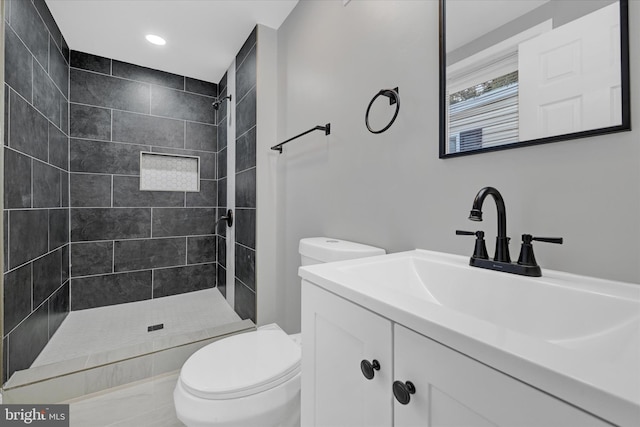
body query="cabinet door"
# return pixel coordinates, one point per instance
(452, 389)
(336, 336)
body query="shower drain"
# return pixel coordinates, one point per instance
(155, 327)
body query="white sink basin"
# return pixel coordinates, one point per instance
(581, 330)
(564, 309)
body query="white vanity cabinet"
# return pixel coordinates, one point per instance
(337, 336)
(451, 389)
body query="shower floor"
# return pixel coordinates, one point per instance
(96, 330)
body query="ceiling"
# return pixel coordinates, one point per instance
(203, 36)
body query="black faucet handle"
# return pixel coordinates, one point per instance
(557, 240)
(480, 250)
(526, 251)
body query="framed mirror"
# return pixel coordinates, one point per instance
(515, 73)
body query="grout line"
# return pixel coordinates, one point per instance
(113, 256)
(145, 269)
(34, 158)
(112, 191)
(144, 82)
(144, 114)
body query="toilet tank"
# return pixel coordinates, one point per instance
(317, 250)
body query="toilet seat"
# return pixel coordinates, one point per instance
(241, 365)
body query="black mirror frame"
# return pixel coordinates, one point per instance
(625, 92)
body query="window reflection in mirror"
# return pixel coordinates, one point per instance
(518, 72)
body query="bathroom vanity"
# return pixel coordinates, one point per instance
(421, 338)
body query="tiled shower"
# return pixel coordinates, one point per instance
(79, 234)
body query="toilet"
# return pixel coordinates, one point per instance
(253, 379)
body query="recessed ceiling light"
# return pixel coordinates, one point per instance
(152, 38)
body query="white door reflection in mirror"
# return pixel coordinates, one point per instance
(569, 77)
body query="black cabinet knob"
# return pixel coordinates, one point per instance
(368, 368)
(403, 391)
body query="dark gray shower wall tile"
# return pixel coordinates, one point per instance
(90, 122)
(222, 193)
(65, 263)
(7, 91)
(17, 65)
(221, 113)
(181, 105)
(144, 254)
(64, 184)
(201, 249)
(245, 223)
(58, 228)
(48, 19)
(109, 224)
(222, 84)
(246, 151)
(246, 113)
(207, 160)
(249, 43)
(64, 115)
(64, 47)
(246, 189)
(90, 191)
(47, 98)
(200, 136)
(178, 280)
(222, 163)
(87, 61)
(28, 339)
(221, 250)
(27, 23)
(144, 129)
(201, 87)
(17, 180)
(245, 261)
(58, 308)
(206, 197)
(110, 289)
(47, 276)
(109, 92)
(58, 68)
(27, 235)
(5, 240)
(126, 193)
(222, 135)
(46, 186)
(17, 296)
(182, 221)
(58, 148)
(221, 280)
(245, 302)
(28, 129)
(147, 75)
(91, 258)
(105, 157)
(246, 74)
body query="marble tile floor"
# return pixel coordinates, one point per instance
(146, 403)
(96, 330)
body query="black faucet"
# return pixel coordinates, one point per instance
(502, 241)
(526, 265)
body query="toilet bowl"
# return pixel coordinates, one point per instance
(253, 379)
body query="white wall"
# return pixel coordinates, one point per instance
(392, 190)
